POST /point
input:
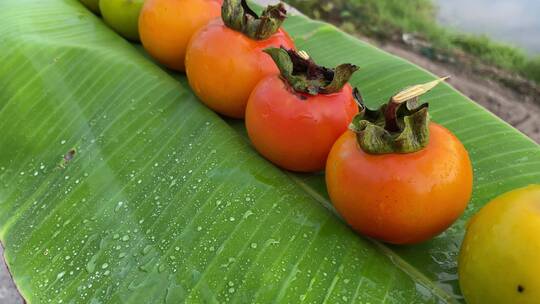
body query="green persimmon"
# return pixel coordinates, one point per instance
(122, 16)
(92, 5)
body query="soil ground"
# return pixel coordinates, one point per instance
(8, 292)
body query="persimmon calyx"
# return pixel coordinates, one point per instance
(237, 15)
(400, 126)
(305, 76)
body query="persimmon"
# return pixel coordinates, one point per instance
(92, 5)
(166, 26)
(293, 119)
(225, 59)
(122, 16)
(396, 176)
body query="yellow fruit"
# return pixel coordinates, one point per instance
(500, 256)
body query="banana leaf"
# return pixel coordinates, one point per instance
(118, 186)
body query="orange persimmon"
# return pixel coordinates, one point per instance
(294, 119)
(166, 26)
(225, 59)
(396, 176)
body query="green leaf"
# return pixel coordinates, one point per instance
(164, 201)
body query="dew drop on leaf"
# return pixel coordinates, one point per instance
(161, 268)
(91, 265)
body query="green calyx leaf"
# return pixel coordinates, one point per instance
(305, 76)
(400, 126)
(237, 15)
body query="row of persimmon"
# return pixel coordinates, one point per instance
(391, 173)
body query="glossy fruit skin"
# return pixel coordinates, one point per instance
(296, 131)
(166, 26)
(122, 16)
(400, 198)
(499, 259)
(92, 5)
(223, 66)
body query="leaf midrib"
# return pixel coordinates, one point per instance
(395, 258)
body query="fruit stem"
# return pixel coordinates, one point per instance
(407, 95)
(305, 76)
(237, 15)
(400, 126)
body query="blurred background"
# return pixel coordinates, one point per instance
(491, 48)
(514, 22)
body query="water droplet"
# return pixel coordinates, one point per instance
(161, 268)
(104, 266)
(116, 236)
(62, 142)
(106, 273)
(147, 249)
(60, 275)
(232, 219)
(177, 248)
(272, 242)
(199, 228)
(254, 245)
(91, 265)
(231, 290)
(248, 214)
(125, 238)
(118, 206)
